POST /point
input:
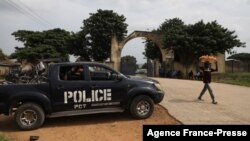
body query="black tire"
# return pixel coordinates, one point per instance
(142, 107)
(29, 116)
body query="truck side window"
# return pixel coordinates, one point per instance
(69, 73)
(100, 73)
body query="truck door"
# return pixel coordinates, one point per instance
(106, 89)
(70, 91)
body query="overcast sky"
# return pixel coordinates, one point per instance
(141, 15)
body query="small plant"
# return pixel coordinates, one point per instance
(2, 138)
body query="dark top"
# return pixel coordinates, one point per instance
(207, 73)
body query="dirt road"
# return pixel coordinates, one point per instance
(100, 127)
(181, 102)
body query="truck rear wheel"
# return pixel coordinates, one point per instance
(29, 116)
(142, 107)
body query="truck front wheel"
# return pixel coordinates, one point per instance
(29, 116)
(142, 107)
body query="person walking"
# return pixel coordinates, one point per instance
(207, 80)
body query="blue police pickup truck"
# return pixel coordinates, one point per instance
(78, 89)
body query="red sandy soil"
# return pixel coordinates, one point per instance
(99, 127)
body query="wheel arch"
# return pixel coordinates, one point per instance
(138, 92)
(32, 97)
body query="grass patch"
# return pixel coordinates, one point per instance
(242, 79)
(2, 138)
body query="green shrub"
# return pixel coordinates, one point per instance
(242, 79)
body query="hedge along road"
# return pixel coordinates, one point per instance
(181, 102)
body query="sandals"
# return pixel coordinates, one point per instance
(214, 102)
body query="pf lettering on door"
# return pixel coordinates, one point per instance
(78, 96)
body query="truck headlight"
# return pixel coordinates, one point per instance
(158, 87)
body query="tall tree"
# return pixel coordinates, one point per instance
(171, 25)
(191, 41)
(41, 44)
(152, 51)
(98, 30)
(35, 53)
(240, 56)
(177, 38)
(77, 45)
(213, 38)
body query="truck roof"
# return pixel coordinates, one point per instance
(80, 63)
(76, 63)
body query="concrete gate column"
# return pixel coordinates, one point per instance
(156, 67)
(115, 53)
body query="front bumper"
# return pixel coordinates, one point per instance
(159, 95)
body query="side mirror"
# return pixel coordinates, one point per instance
(119, 77)
(115, 76)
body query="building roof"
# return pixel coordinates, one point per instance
(8, 63)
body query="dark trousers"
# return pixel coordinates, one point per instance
(206, 86)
